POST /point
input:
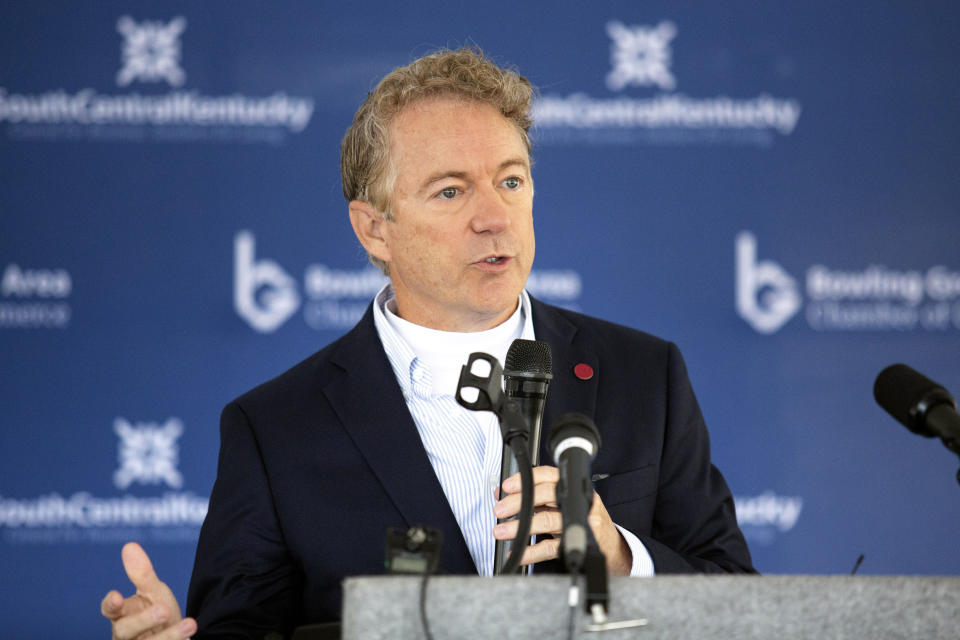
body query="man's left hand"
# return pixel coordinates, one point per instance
(547, 520)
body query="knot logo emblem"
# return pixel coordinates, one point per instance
(640, 55)
(148, 453)
(151, 51)
(767, 296)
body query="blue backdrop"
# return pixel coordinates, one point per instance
(770, 185)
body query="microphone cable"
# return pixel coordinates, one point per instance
(423, 604)
(520, 450)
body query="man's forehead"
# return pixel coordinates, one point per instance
(431, 126)
(444, 107)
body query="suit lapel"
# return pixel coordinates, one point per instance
(567, 392)
(367, 399)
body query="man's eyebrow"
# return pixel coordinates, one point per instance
(522, 162)
(462, 175)
(440, 175)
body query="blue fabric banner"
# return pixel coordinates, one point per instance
(771, 187)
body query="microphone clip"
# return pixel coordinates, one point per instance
(490, 397)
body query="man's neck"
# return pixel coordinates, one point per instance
(458, 324)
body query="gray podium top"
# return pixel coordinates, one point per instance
(676, 607)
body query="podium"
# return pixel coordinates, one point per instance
(675, 607)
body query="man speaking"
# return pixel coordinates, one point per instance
(365, 434)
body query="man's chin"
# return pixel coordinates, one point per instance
(495, 312)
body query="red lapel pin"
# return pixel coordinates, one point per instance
(583, 371)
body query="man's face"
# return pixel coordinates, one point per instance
(461, 243)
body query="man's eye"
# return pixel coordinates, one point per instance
(512, 183)
(449, 193)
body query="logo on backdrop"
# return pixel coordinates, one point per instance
(148, 455)
(35, 298)
(263, 293)
(873, 298)
(266, 296)
(764, 517)
(767, 297)
(151, 53)
(642, 56)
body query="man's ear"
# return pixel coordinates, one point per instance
(368, 224)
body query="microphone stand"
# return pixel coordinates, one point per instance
(597, 601)
(515, 432)
(598, 587)
(594, 567)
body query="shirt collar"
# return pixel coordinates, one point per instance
(426, 362)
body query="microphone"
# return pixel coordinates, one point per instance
(574, 442)
(919, 404)
(527, 372)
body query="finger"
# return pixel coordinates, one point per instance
(180, 631)
(543, 521)
(600, 522)
(111, 605)
(611, 542)
(133, 625)
(139, 569)
(544, 495)
(183, 629)
(544, 550)
(114, 606)
(541, 474)
(596, 505)
(547, 521)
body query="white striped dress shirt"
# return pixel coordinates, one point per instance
(464, 447)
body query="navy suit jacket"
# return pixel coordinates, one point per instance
(318, 462)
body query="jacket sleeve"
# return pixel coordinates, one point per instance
(244, 583)
(694, 525)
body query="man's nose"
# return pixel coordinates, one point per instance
(492, 213)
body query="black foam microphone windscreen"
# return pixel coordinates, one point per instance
(908, 396)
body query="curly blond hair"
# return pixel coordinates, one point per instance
(466, 73)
